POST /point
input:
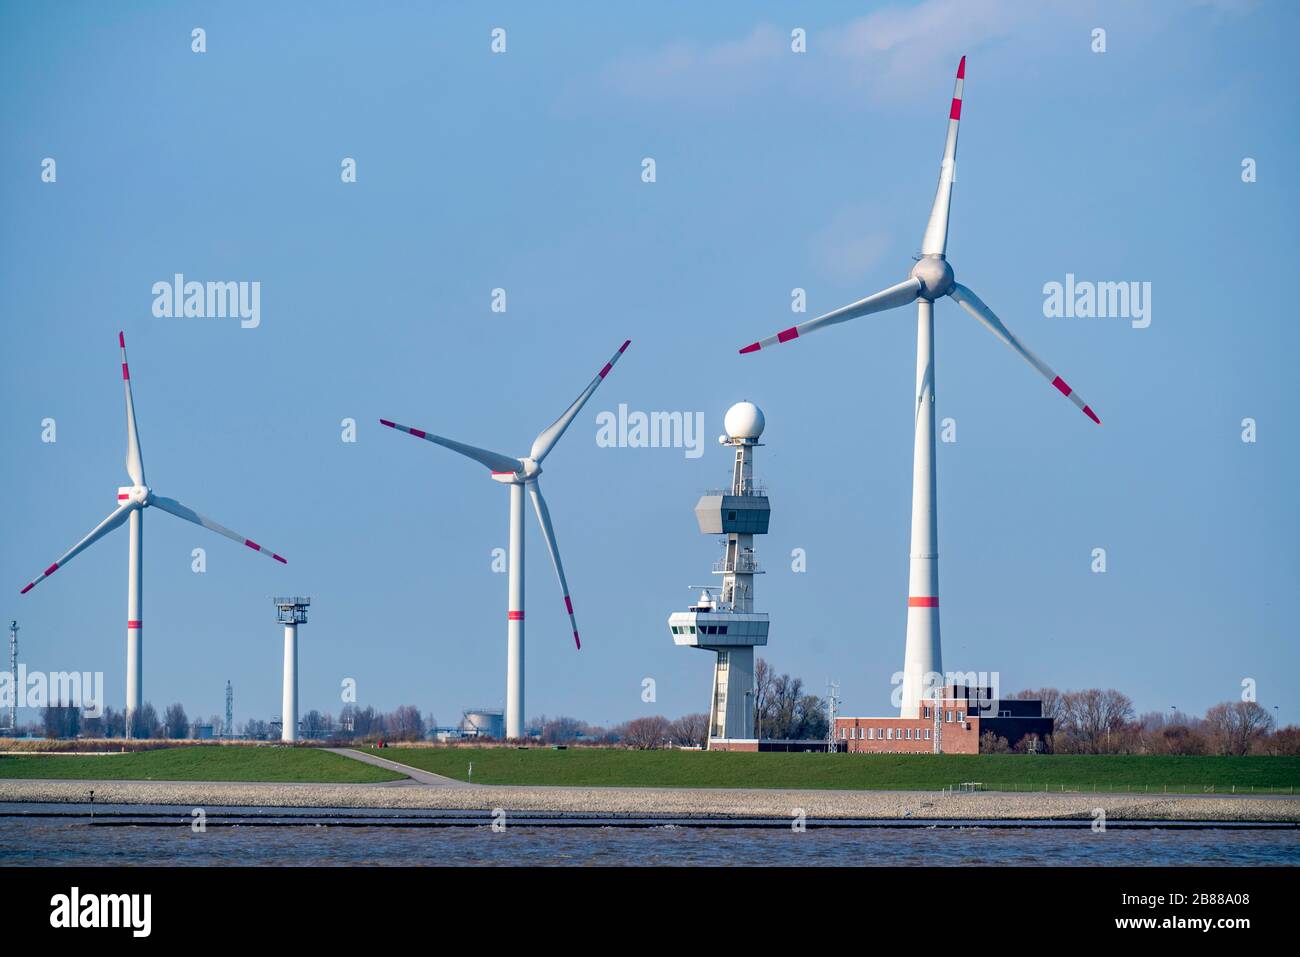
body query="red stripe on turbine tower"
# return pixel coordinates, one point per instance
(126, 374)
(915, 601)
(134, 624)
(514, 616)
(955, 112)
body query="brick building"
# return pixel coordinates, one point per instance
(963, 716)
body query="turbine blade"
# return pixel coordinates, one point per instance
(187, 513)
(544, 442)
(544, 517)
(494, 460)
(134, 461)
(975, 306)
(894, 296)
(935, 242)
(99, 531)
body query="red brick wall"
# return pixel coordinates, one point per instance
(956, 739)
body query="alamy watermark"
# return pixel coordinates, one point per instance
(61, 689)
(179, 299)
(1084, 299)
(983, 686)
(651, 430)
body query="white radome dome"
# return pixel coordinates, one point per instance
(744, 420)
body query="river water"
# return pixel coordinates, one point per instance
(32, 834)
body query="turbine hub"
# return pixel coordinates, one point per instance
(935, 275)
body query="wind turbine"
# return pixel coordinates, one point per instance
(521, 474)
(930, 279)
(132, 500)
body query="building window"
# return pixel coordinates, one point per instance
(871, 733)
(950, 717)
(891, 734)
(927, 711)
(842, 734)
(927, 734)
(961, 716)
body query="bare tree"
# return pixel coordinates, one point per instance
(316, 725)
(176, 724)
(645, 734)
(991, 743)
(762, 692)
(560, 730)
(61, 721)
(1236, 727)
(405, 724)
(1093, 721)
(690, 730)
(145, 723)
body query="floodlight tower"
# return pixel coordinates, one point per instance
(291, 612)
(727, 624)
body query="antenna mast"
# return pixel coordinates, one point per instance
(230, 710)
(832, 712)
(13, 676)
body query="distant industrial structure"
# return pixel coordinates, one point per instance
(727, 624)
(291, 612)
(484, 723)
(952, 722)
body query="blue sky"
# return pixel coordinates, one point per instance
(775, 170)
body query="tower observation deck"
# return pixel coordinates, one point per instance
(723, 619)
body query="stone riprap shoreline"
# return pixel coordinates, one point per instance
(677, 802)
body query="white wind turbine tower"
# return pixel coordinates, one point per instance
(521, 474)
(132, 500)
(930, 279)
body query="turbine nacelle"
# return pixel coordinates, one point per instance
(137, 495)
(935, 276)
(528, 471)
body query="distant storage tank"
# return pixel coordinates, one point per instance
(484, 723)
